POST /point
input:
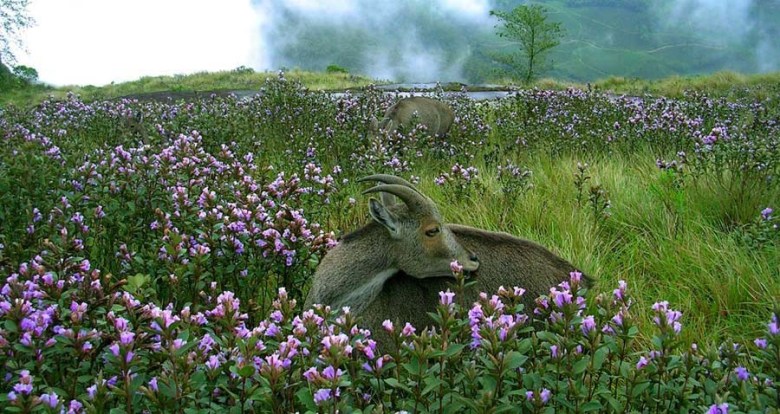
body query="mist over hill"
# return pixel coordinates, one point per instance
(452, 40)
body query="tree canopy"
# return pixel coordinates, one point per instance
(13, 19)
(527, 27)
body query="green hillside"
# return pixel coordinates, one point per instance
(603, 38)
(627, 41)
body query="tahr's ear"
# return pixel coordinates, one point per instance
(383, 216)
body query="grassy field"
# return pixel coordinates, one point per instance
(170, 204)
(676, 235)
(237, 79)
(728, 84)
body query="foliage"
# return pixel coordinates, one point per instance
(14, 18)
(527, 26)
(130, 356)
(335, 69)
(26, 74)
(152, 252)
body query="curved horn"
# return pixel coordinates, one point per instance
(388, 179)
(417, 203)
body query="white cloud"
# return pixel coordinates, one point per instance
(102, 41)
(472, 8)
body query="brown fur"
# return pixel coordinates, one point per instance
(391, 269)
(504, 260)
(437, 116)
(353, 273)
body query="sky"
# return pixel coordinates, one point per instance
(96, 42)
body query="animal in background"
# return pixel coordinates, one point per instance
(435, 115)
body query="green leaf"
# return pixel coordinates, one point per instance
(547, 336)
(433, 384)
(515, 360)
(393, 383)
(710, 386)
(524, 345)
(488, 383)
(599, 357)
(455, 349)
(10, 326)
(246, 371)
(639, 388)
(657, 342)
(581, 365)
(591, 406)
(306, 398)
(615, 404)
(136, 283)
(412, 367)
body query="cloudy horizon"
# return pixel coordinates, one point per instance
(97, 42)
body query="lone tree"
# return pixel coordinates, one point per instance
(528, 27)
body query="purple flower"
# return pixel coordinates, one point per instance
(92, 391)
(178, 343)
(311, 374)
(742, 373)
(114, 348)
(322, 395)
(620, 292)
(445, 298)
(719, 409)
(387, 325)
(760, 343)
(561, 298)
(545, 395)
(575, 277)
(588, 324)
(642, 363)
(121, 324)
(126, 338)
(554, 351)
(335, 340)
(476, 313)
(84, 266)
(766, 213)
(408, 330)
(456, 267)
(276, 316)
(52, 400)
(74, 407)
(331, 373)
(213, 363)
(774, 325)
(206, 343)
(153, 384)
(618, 319)
(24, 386)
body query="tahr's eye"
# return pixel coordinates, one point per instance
(432, 232)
